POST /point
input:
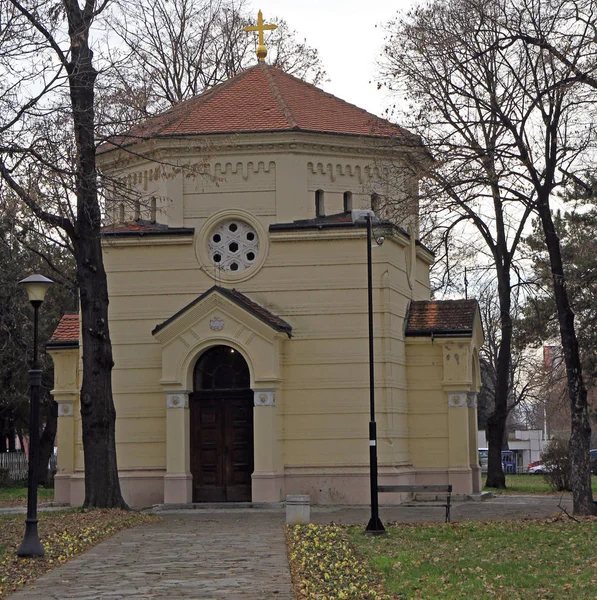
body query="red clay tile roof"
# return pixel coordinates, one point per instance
(336, 221)
(66, 333)
(252, 307)
(263, 98)
(145, 228)
(125, 227)
(441, 317)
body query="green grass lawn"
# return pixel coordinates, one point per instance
(15, 496)
(551, 559)
(528, 484)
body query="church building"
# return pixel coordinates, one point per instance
(238, 308)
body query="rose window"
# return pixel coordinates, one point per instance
(233, 246)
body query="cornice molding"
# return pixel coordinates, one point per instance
(202, 147)
(340, 233)
(142, 240)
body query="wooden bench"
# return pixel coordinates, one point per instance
(441, 490)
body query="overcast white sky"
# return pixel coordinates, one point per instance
(349, 44)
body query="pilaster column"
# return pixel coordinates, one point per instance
(458, 426)
(459, 466)
(473, 444)
(66, 444)
(178, 482)
(267, 483)
(66, 394)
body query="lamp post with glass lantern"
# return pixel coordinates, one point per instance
(36, 287)
(375, 526)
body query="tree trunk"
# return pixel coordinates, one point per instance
(580, 427)
(12, 434)
(495, 435)
(21, 439)
(46, 442)
(98, 415)
(496, 424)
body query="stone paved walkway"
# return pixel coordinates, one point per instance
(226, 554)
(232, 554)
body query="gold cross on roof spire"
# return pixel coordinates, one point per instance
(260, 27)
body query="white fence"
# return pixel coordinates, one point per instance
(17, 464)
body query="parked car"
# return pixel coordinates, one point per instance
(483, 455)
(537, 468)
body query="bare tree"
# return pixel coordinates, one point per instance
(543, 133)
(171, 50)
(45, 52)
(563, 107)
(477, 184)
(526, 381)
(566, 30)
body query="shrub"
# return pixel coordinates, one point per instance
(556, 459)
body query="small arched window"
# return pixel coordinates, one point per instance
(347, 201)
(319, 207)
(137, 210)
(221, 368)
(375, 203)
(121, 213)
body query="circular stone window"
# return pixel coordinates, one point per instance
(233, 245)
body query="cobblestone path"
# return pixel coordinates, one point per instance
(227, 554)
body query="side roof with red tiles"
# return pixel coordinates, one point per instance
(441, 317)
(140, 228)
(66, 334)
(263, 99)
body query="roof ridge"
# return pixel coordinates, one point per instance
(288, 114)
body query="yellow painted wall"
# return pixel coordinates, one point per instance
(314, 279)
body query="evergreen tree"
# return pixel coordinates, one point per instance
(22, 253)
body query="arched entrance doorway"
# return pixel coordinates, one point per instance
(221, 415)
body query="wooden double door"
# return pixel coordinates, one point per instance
(221, 445)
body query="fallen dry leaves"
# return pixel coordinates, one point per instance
(325, 566)
(63, 535)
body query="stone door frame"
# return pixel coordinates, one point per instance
(218, 321)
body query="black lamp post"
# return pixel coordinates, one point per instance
(375, 526)
(36, 287)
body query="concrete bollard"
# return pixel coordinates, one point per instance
(298, 510)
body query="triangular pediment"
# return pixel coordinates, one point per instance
(211, 311)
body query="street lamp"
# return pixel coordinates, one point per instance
(375, 526)
(36, 287)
